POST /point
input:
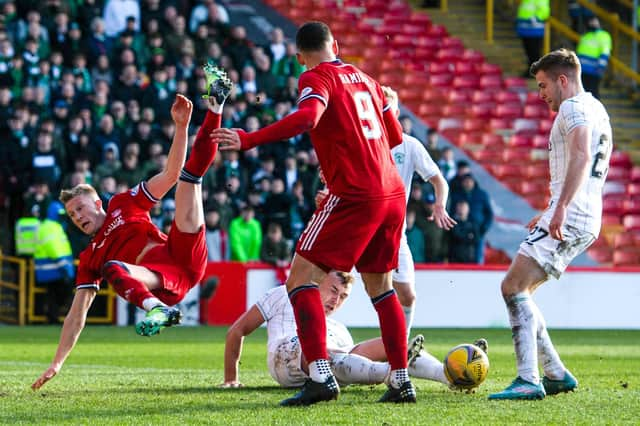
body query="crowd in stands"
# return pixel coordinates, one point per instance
(86, 88)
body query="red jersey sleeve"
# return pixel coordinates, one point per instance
(139, 196)
(313, 85)
(85, 277)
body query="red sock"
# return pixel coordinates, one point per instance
(311, 321)
(204, 150)
(130, 289)
(393, 328)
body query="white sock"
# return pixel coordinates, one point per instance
(408, 317)
(524, 326)
(150, 303)
(320, 370)
(547, 354)
(216, 108)
(426, 366)
(398, 377)
(356, 369)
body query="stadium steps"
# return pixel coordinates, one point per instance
(466, 19)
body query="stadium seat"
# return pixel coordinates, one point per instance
(437, 68)
(508, 110)
(436, 30)
(517, 155)
(492, 139)
(525, 125)
(473, 124)
(420, 19)
(601, 254)
(631, 222)
(507, 96)
(620, 158)
(454, 42)
(626, 257)
(534, 171)
(611, 219)
(502, 171)
(464, 68)
(633, 189)
(449, 54)
(544, 126)
(613, 206)
(500, 124)
(523, 141)
(453, 110)
(491, 82)
(473, 56)
(516, 83)
(478, 96)
(459, 97)
(631, 206)
(539, 186)
(619, 174)
(611, 187)
(635, 174)
(623, 240)
(440, 80)
(535, 111)
(485, 68)
(540, 142)
(482, 110)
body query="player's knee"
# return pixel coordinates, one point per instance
(509, 287)
(112, 269)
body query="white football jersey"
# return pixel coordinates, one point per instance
(281, 323)
(412, 157)
(585, 210)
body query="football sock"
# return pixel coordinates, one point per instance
(547, 354)
(392, 328)
(398, 377)
(408, 317)
(129, 288)
(523, 328)
(204, 150)
(320, 370)
(311, 323)
(356, 369)
(151, 302)
(426, 366)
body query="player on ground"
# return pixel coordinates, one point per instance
(360, 223)
(579, 150)
(146, 267)
(362, 363)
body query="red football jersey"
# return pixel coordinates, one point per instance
(126, 231)
(350, 139)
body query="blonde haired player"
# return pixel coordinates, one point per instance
(579, 149)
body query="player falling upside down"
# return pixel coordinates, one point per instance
(352, 130)
(144, 266)
(351, 364)
(579, 150)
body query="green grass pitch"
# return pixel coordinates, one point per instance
(116, 377)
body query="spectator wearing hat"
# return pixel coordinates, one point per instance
(480, 210)
(110, 161)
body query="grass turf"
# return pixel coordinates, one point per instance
(116, 377)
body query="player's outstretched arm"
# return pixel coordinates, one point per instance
(161, 183)
(243, 326)
(440, 214)
(71, 329)
(579, 141)
(300, 121)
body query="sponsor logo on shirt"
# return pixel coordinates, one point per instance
(113, 225)
(116, 212)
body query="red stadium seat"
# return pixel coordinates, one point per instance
(420, 19)
(620, 158)
(522, 141)
(613, 206)
(469, 138)
(490, 82)
(482, 110)
(633, 189)
(453, 110)
(440, 80)
(492, 139)
(502, 171)
(619, 174)
(635, 174)
(459, 97)
(463, 68)
(500, 124)
(438, 31)
(544, 126)
(449, 123)
(535, 111)
(626, 257)
(525, 125)
(624, 239)
(449, 54)
(535, 172)
(510, 110)
(473, 124)
(466, 82)
(601, 254)
(518, 155)
(631, 206)
(454, 42)
(485, 68)
(539, 186)
(473, 56)
(479, 96)
(507, 97)
(611, 219)
(540, 142)
(631, 222)
(436, 68)
(515, 83)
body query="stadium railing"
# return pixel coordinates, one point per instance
(13, 285)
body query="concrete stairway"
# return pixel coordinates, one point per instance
(466, 19)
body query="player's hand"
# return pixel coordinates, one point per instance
(230, 384)
(227, 139)
(557, 220)
(442, 218)
(533, 222)
(321, 195)
(45, 377)
(181, 110)
(392, 98)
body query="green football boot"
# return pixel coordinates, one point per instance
(158, 318)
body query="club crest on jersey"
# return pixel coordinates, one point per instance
(305, 92)
(398, 158)
(134, 191)
(116, 212)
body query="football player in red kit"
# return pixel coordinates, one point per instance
(144, 266)
(360, 223)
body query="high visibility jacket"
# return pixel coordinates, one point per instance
(26, 232)
(532, 15)
(53, 257)
(593, 50)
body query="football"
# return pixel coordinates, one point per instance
(466, 366)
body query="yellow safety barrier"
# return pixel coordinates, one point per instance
(104, 302)
(13, 289)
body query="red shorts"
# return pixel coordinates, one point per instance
(180, 263)
(343, 233)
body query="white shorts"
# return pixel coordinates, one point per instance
(552, 255)
(405, 272)
(284, 363)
